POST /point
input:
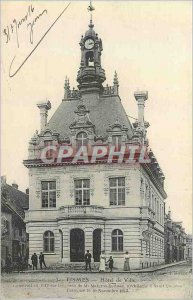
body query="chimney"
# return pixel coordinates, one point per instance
(27, 191)
(169, 213)
(3, 180)
(44, 107)
(15, 185)
(141, 97)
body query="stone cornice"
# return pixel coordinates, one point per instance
(154, 180)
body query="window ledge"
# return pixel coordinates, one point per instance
(49, 253)
(49, 208)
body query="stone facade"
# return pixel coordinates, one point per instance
(74, 207)
(137, 216)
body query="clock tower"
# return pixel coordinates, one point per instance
(91, 75)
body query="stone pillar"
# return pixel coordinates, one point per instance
(141, 97)
(66, 244)
(44, 107)
(88, 235)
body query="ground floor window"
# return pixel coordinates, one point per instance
(48, 241)
(117, 240)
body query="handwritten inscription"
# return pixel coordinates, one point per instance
(32, 24)
(30, 20)
(17, 24)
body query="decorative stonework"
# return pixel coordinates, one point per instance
(106, 183)
(142, 187)
(127, 184)
(38, 185)
(82, 118)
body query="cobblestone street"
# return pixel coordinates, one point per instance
(171, 283)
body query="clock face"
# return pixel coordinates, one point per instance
(89, 44)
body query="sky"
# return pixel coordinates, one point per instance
(148, 43)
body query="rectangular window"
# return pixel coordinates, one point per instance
(82, 191)
(48, 193)
(117, 191)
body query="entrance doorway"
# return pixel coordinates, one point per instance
(77, 245)
(96, 244)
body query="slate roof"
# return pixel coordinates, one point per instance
(19, 198)
(104, 111)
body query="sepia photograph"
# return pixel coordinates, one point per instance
(96, 149)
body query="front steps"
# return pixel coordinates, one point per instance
(73, 266)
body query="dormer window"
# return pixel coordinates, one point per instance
(116, 141)
(81, 139)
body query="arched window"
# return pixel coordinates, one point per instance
(48, 241)
(81, 139)
(117, 240)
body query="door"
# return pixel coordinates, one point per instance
(77, 245)
(96, 244)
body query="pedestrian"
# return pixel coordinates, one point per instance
(102, 262)
(34, 260)
(19, 263)
(41, 260)
(126, 262)
(8, 263)
(110, 261)
(87, 258)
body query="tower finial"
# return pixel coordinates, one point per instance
(116, 84)
(115, 81)
(91, 8)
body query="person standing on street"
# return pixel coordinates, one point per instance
(126, 262)
(110, 261)
(102, 262)
(8, 263)
(19, 263)
(87, 258)
(41, 260)
(34, 260)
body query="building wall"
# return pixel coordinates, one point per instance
(132, 219)
(188, 253)
(98, 175)
(6, 239)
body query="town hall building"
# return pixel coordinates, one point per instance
(112, 207)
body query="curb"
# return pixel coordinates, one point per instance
(147, 270)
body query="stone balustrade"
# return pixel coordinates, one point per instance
(80, 210)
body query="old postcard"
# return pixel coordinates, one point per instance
(96, 150)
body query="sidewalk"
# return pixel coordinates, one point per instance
(147, 270)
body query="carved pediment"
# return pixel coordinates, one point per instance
(49, 135)
(117, 127)
(82, 118)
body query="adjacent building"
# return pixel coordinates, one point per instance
(14, 239)
(189, 247)
(79, 206)
(175, 240)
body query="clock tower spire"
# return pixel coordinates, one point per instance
(90, 75)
